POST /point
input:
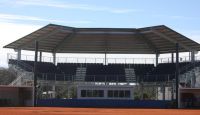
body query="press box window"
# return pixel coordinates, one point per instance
(110, 93)
(92, 93)
(127, 93)
(119, 93)
(83, 93)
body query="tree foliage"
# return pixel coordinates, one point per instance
(6, 76)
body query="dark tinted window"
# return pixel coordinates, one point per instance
(110, 93)
(127, 93)
(83, 93)
(121, 93)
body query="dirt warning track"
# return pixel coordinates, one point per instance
(92, 111)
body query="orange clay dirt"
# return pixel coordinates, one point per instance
(92, 111)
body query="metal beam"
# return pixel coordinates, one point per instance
(170, 39)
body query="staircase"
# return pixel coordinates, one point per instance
(197, 76)
(191, 77)
(24, 78)
(80, 74)
(130, 75)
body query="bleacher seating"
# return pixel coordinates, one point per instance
(42, 67)
(109, 73)
(163, 72)
(67, 71)
(99, 72)
(142, 69)
(21, 64)
(68, 68)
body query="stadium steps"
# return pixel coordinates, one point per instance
(186, 77)
(197, 74)
(191, 77)
(80, 74)
(130, 75)
(24, 78)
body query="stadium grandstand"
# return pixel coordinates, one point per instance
(108, 82)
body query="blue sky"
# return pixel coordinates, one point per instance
(20, 17)
(181, 14)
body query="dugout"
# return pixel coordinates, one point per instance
(15, 96)
(189, 98)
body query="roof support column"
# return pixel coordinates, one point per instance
(193, 79)
(40, 56)
(163, 91)
(172, 60)
(177, 75)
(192, 56)
(105, 58)
(54, 91)
(35, 75)
(19, 54)
(142, 91)
(157, 55)
(54, 57)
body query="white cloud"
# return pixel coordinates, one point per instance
(10, 32)
(12, 17)
(176, 17)
(49, 3)
(184, 17)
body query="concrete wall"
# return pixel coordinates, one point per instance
(15, 96)
(189, 98)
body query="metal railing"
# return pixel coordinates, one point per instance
(155, 78)
(72, 78)
(102, 60)
(105, 78)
